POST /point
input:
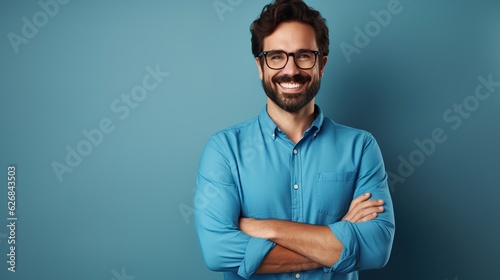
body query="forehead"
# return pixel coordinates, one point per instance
(290, 37)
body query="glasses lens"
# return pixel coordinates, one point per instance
(276, 59)
(305, 59)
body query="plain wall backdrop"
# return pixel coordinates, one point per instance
(105, 107)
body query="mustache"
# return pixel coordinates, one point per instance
(299, 78)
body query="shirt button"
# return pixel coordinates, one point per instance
(295, 187)
(295, 152)
(297, 276)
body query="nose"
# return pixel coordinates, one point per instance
(290, 67)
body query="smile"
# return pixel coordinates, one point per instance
(290, 85)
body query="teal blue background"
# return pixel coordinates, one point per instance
(127, 204)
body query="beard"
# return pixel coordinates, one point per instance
(291, 102)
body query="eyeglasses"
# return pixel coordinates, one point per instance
(277, 60)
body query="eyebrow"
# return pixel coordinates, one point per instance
(299, 50)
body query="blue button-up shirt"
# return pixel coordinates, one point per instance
(253, 170)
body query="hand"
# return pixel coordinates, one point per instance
(362, 209)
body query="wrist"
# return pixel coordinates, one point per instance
(268, 228)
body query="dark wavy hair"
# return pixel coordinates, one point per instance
(280, 11)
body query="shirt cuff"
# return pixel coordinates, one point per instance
(255, 253)
(345, 233)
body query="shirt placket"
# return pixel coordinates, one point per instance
(296, 184)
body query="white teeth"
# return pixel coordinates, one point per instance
(290, 85)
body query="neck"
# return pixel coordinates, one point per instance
(292, 124)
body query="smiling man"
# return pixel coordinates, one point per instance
(291, 194)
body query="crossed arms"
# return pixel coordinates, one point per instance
(233, 243)
(303, 246)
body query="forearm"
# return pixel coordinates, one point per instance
(316, 243)
(283, 260)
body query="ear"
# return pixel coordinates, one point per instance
(322, 70)
(259, 66)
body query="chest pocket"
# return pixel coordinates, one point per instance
(335, 192)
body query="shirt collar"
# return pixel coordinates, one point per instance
(271, 128)
(318, 122)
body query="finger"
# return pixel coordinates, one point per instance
(368, 204)
(367, 214)
(359, 200)
(358, 203)
(363, 209)
(368, 218)
(358, 206)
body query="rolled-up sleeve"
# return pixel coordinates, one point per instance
(367, 245)
(217, 213)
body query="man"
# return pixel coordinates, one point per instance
(290, 194)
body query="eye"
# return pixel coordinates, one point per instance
(275, 56)
(304, 55)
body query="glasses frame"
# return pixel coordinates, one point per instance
(264, 54)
